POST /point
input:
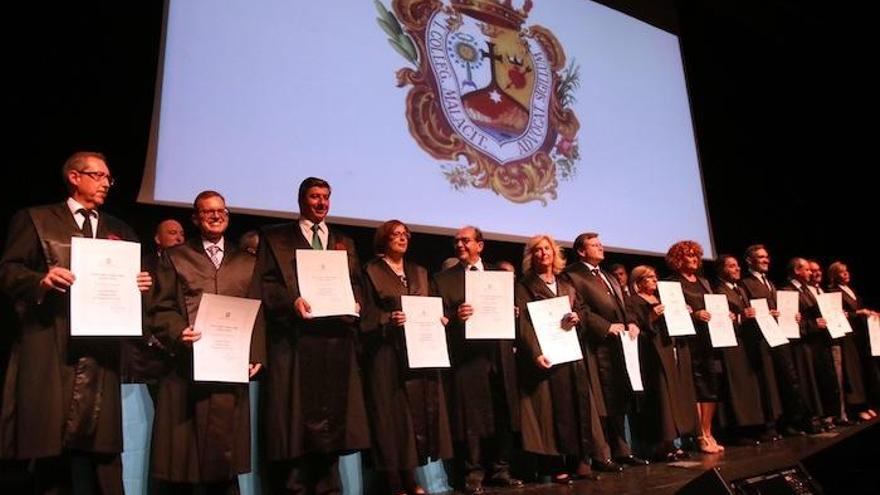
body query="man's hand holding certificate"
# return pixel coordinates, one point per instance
(105, 299)
(490, 294)
(324, 283)
(222, 353)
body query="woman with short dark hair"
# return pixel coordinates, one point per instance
(407, 407)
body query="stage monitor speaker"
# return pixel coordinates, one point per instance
(792, 480)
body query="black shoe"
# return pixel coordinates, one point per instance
(606, 466)
(631, 460)
(585, 472)
(505, 481)
(746, 442)
(670, 456)
(814, 428)
(843, 422)
(791, 431)
(474, 488)
(561, 479)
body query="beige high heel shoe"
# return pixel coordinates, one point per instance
(705, 445)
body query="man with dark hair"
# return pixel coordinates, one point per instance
(484, 408)
(313, 396)
(62, 405)
(619, 272)
(607, 322)
(812, 354)
(201, 434)
(781, 388)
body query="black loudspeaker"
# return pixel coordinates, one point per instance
(709, 483)
(793, 480)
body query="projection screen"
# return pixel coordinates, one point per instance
(554, 117)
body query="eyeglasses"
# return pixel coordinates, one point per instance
(209, 213)
(98, 176)
(400, 235)
(463, 240)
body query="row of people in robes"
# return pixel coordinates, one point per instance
(340, 384)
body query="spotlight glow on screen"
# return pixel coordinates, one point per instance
(565, 118)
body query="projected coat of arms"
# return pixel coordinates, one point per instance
(489, 97)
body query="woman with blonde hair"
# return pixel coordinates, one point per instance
(669, 406)
(557, 407)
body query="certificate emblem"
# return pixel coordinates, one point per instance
(488, 96)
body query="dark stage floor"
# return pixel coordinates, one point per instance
(734, 463)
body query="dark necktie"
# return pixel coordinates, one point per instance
(87, 222)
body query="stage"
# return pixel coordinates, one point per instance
(828, 454)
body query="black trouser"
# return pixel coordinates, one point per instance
(88, 472)
(493, 451)
(794, 408)
(310, 474)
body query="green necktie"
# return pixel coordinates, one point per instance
(316, 239)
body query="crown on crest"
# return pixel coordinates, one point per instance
(497, 12)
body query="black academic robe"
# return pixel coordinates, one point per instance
(475, 365)
(707, 365)
(555, 402)
(605, 308)
(408, 412)
(860, 369)
(761, 355)
(312, 389)
(812, 353)
(60, 392)
(743, 404)
(144, 359)
(201, 431)
(668, 409)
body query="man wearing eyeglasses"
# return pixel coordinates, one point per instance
(201, 431)
(314, 406)
(62, 405)
(485, 402)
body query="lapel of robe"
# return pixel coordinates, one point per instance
(287, 241)
(616, 292)
(705, 284)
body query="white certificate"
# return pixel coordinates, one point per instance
(324, 282)
(874, 334)
(424, 332)
(767, 324)
(226, 324)
(720, 325)
(787, 305)
(675, 312)
(104, 299)
(631, 357)
(831, 307)
(557, 344)
(491, 295)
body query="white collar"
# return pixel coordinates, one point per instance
(221, 244)
(75, 206)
